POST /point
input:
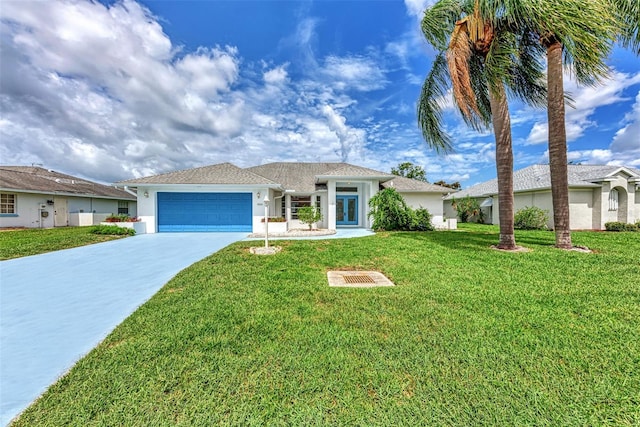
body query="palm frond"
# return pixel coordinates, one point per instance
(628, 16)
(438, 22)
(430, 111)
(458, 54)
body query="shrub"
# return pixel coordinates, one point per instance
(621, 226)
(309, 215)
(275, 219)
(531, 218)
(121, 218)
(390, 212)
(112, 230)
(467, 208)
(421, 220)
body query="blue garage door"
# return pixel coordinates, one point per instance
(204, 212)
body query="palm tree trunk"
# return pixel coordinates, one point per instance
(558, 145)
(504, 164)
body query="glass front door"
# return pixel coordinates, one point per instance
(347, 210)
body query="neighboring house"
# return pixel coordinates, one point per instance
(35, 197)
(597, 195)
(224, 197)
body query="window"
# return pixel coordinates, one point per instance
(613, 200)
(7, 203)
(123, 207)
(346, 189)
(298, 202)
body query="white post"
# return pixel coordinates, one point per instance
(266, 221)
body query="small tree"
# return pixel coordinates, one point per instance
(309, 215)
(467, 207)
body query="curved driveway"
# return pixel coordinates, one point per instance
(55, 307)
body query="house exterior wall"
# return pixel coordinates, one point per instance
(580, 209)
(430, 201)
(636, 204)
(29, 213)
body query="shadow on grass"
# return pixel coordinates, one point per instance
(480, 239)
(453, 240)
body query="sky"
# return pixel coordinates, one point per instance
(116, 90)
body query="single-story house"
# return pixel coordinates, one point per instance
(224, 197)
(34, 197)
(597, 195)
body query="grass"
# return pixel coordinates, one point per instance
(34, 241)
(468, 337)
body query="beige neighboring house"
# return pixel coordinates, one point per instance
(224, 197)
(34, 197)
(597, 195)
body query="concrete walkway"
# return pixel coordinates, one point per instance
(56, 307)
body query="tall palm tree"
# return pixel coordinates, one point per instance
(479, 58)
(578, 34)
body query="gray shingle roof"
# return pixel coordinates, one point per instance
(36, 179)
(537, 177)
(401, 184)
(303, 177)
(222, 173)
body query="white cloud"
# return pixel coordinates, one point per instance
(276, 75)
(586, 100)
(627, 138)
(417, 7)
(354, 72)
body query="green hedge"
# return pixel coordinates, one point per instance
(621, 226)
(112, 230)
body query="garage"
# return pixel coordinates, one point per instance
(180, 212)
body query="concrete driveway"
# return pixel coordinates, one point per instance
(56, 307)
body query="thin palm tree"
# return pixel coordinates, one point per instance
(577, 34)
(479, 59)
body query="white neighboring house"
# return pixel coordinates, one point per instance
(597, 195)
(34, 197)
(224, 197)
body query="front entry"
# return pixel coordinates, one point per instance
(346, 210)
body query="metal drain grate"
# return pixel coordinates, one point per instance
(357, 279)
(361, 278)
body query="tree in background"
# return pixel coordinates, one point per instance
(454, 185)
(409, 170)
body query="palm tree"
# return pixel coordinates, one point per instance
(574, 33)
(479, 58)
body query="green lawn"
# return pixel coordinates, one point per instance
(469, 336)
(34, 241)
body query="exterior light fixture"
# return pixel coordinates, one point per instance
(146, 194)
(258, 194)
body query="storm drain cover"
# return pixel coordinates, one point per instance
(357, 279)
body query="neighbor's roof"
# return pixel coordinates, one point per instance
(223, 173)
(34, 179)
(537, 177)
(307, 177)
(409, 185)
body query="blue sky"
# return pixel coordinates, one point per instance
(116, 90)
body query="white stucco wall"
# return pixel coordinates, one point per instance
(29, 212)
